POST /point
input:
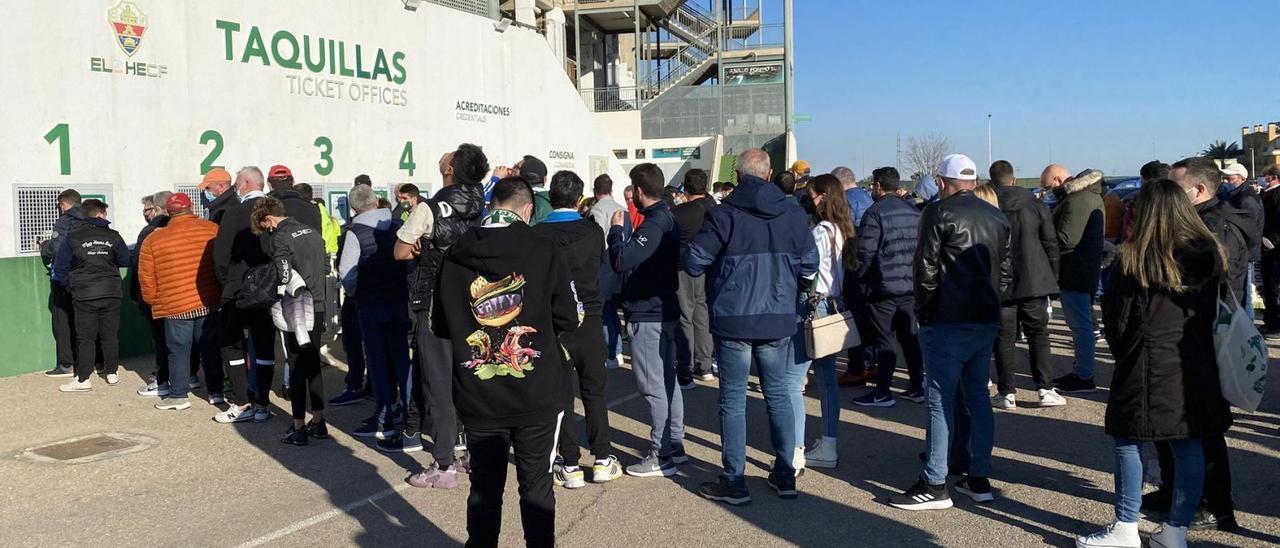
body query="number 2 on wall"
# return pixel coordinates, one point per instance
(325, 166)
(208, 136)
(62, 134)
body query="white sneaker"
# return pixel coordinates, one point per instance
(1051, 398)
(113, 379)
(1004, 401)
(1169, 536)
(1117, 535)
(822, 454)
(235, 414)
(75, 386)
(154, 390)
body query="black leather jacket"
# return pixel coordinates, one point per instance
(962, 262)
(456, 208)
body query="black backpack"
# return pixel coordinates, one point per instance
(258, 292)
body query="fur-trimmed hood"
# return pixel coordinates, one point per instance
(1088, 179)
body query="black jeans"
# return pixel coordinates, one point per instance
(352, 344)
(97, 323)
(433, 392)
(232, 323)
(1217, 473)
(158, 343)
(587, 353)
(534, 453)
(1033, 315)
(305, 379)
(694, 347)
(1271, 288)
(894, 320)
(64, 326)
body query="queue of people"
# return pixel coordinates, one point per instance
(469, 316)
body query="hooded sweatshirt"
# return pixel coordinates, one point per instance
(754, 249)
(1078, 219)
(504, 300)
(582, 246)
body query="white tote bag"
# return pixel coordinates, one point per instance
(1242, 356)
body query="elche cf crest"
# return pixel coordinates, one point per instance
(129, 23)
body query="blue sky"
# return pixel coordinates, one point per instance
(1091, 83)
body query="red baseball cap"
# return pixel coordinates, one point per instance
(178, 202)
(279, 171)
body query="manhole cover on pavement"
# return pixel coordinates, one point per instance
(90, 448)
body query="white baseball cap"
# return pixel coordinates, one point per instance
(1236, 169)
(959, 167)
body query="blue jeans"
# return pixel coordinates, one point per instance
(181, 336)
(352, 344)
(774, 360)
(612, 328)
(830, 389)
(957, 355)
(385, 326)
(1246, 300)
(1077, 307)
(1188, 480)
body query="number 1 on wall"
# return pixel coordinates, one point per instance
(62, 134)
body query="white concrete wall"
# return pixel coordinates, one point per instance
(138, 134)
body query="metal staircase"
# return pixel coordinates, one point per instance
(694, 60)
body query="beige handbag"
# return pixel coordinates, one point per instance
(826, 335)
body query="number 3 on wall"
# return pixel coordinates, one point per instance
(62, 134)
(208, 136)
(325, 166)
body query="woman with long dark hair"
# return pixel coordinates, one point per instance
(834, 227)
(1158, 313)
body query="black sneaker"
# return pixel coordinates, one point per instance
(1160, 500)
(318, 429)
(976, 487)
(1073, 384)
(783, 484)
(1227, 523)
(59, 372)
(922, 496)
(294, 436)
(875, 398)
(722, 490)
(915, 395)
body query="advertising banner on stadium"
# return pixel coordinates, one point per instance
(123, 98)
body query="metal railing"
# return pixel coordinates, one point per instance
(766, 36)
(699, 31)
(613, 98)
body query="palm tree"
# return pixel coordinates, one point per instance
(1221, 150)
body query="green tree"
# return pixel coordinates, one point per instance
(1221, 150)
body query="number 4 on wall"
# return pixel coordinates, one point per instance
(406, 158)
(62, 134)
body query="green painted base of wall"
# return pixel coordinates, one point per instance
(26, 325)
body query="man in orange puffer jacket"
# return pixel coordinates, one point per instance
(176, 274)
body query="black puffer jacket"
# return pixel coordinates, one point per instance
(962, 264)
(1080, 222)
(1166, 381)
(1238, 233)
(886, 248)
(1244, 198)
(456, 209)
(1033, 243)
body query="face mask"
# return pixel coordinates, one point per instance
(207, 197)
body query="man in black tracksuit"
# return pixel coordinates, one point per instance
(506, 303)
(433, 226)
(1033, 241)
(1237, 231)
(235, 250)
(69, 219)
(581, 246)
(88, 266)
(1271, 253)
(694, 347)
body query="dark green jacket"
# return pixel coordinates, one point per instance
(1078, 220)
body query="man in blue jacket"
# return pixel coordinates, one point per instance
(648, 261)
(754, 249)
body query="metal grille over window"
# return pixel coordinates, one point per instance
(478, 7)
(194, 193)
(37, 209)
